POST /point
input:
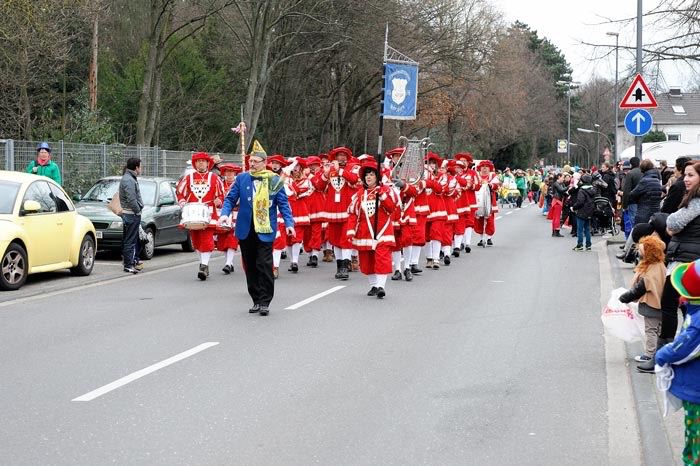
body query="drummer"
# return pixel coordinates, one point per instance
(202, 186)
(226, 240)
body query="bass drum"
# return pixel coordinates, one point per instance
(483, 201)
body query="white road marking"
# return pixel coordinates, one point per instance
(498, 218)
(497, 281)
(508, 213)
(143, 372)
(314, 298)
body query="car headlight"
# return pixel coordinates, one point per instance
(116, 225)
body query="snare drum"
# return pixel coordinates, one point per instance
(196, 216)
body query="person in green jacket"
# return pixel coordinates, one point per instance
(43, 165)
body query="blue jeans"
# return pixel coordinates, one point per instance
(583, 226)
(130, 239)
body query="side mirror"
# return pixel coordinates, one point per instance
(31, 207)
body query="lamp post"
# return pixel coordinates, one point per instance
(588, 154)
(584, 130)
(615, 103)
(597, 142)
(569, 86)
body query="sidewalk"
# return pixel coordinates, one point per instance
(662, 439)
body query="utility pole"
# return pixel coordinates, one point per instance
(638, 139)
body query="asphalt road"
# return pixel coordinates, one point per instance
(497, 359)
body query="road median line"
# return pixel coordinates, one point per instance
(314, 298)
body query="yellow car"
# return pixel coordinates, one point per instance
(40, 231)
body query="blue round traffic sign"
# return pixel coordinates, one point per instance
(638, 122)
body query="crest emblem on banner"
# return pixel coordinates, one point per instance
(398, 89)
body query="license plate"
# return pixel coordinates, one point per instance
(98, 234)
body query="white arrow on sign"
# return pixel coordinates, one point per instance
(638, 118)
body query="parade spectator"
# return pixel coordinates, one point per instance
(558, 192)
(260, 194)
(43, 165)
(521, 184)
(583, 207)
(132, 205)
(676, 188)
(665, 171)
(682, 356)
(630, 182)
(647, 193)
(647, 284)
(684, 246)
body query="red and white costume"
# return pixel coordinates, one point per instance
(298, 188)
(488, 177)
(315, 203)
(226, 241)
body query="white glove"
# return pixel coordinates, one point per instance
(289, 168)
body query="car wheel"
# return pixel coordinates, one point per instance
(14, 268)
(187, 244)
(149, 248)
(86, 257)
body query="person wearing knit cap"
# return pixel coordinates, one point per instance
(202, 186)
(370, 227)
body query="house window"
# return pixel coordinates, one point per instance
(678, 109)
(673, 137)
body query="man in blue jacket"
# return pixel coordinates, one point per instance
(259, 193)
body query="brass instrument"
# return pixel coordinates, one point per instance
(410, 166)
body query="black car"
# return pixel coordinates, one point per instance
(160, 216)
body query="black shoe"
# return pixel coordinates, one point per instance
(621, 255)
(578, 248)
(227, 269)
(415, 270)
(446, 259)
(455, 252)
(203, 272)
(467, 249)
(489, 242)
(338, 265)
(372, 291)
(380, 292)
(264, 310)
(588, 248)
(294, 268)
(344, 269)
(313, 261)
(622, 247)
(397, 275)
(255, 309)
(480, 244)
(131, 270)
(556, 234)
(408, 275)
(284, 255)
(442, 254)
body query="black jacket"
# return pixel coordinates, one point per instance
(674, 197)
(685, 245)
(628, 184)
(647, 196)
(558, 190)
(611, 191)
(584, 205)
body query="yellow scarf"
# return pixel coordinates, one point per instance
(261, 201)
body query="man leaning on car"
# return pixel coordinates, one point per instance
(131, 203)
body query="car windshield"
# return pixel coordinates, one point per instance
(8, 194)
(104, 191)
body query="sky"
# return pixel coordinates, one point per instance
(567, 23)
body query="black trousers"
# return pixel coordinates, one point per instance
(669, 310)
(257, 263)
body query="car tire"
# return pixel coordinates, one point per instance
(187, 244)
(14, 268)
(150, 247)
(86, 257)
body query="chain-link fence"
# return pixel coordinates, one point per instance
(83, 164)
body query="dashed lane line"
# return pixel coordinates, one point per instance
(143, 372)
(314, 298)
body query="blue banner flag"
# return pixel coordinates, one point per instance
(400, 91)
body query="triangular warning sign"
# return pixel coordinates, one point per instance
(638, 95)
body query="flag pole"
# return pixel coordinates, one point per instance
(378, 157)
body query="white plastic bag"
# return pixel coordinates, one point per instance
(620, 320)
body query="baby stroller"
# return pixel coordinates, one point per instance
(603, 220)
(509, 196)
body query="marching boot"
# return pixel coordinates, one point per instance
(227, 269)
(480, 244)
(648, 367)
(345, 269)
(455, 252)
(310, 262)
(313, 262)
(372, 291)
(489, 242)
(381, 293)
(446, 259)
(397, 275)
(467, 249)
(408, 275)
(203, 272)
(415, 270)
(327, 255)
(339, 265)
(294, 267)
(556, 233)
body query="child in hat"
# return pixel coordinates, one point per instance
(647, 286)
(684, 356)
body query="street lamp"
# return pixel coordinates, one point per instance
(584, 130)
(588, 154)
(617, 38)
(597, 142)
(569, 85)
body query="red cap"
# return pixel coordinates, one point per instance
(277, 158)
(202, 156)
(433, 156)
(339, 150)
(312, 159)
(486, 163)
(230, 166)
